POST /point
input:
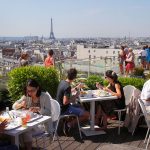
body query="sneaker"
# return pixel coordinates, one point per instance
(66, 129)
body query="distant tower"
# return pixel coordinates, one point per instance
(52, 37)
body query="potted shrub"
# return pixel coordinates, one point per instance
(46, 77)
(138, 72)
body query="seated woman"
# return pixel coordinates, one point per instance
(37, 102)
(114, 88)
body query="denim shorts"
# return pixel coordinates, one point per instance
(74, 110)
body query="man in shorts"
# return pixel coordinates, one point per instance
(64, 97)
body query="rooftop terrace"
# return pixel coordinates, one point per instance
(122, 142)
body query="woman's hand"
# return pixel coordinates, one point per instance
(99, 86)
(23, 104)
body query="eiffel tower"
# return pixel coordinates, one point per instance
(52, 37)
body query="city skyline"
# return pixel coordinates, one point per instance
(74, 19)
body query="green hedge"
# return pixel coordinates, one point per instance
(137, 82)
(91, 81)
(46, 77)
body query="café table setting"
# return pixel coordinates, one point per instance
(92, 96)
(20, 121)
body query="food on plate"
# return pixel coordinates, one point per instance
(102, 93)
(82, 93)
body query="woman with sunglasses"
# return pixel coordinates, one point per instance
(114, 88)
(36, 101)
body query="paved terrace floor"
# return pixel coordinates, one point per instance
(123, 141)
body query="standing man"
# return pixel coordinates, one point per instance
(64, 97)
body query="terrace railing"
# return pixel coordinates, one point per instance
(97, 65)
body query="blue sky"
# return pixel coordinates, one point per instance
(75, 18)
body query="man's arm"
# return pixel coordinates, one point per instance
(66, 100)
(148, 99)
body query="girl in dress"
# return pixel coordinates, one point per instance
(115, 88)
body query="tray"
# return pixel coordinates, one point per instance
(12, 126)
(35, 118)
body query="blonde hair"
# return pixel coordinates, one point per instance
(130, 49)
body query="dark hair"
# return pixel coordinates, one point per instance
(71, 73)
(50, 52)
(146, 46)
(32, 83)
(111, 74)
(122, 47)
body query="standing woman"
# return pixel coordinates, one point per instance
(49, 60)
(121, 57)
(36, 101)
(24, 59)
(115, 89)
(130, 62)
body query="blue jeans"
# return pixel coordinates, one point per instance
(74, 110)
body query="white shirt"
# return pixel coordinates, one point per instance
(145, 94)
(142, 52)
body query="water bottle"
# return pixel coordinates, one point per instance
(7, 109)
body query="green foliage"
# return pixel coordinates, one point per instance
(46, 77)
(105, 82)
(137, 82)
(78, 81)
(91, 81)
(59, 66)
(148, 76)
(138, 71)
(4, 95)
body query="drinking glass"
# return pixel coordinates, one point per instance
(23, 121)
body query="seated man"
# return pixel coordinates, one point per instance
(4, 145)
(64, 97)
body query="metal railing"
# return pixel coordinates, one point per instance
(97, 65)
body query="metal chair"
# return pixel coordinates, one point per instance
(146, 115)
(128, 91)
(57, 117)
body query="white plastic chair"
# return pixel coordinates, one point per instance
(146, 115)
(43, 135)
(57, 117)
(128, 91)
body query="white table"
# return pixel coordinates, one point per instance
(17, 131)
(89, 131)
